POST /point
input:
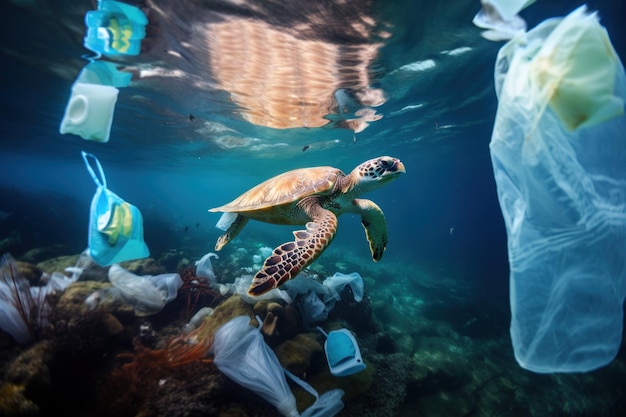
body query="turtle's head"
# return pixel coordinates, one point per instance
(376, 172)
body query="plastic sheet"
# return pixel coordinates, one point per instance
(559, 159)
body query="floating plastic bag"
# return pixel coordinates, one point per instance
(89, 111)
(500, 18)
(116, 28)
(242, 355)
(115, 226)
(559, 158)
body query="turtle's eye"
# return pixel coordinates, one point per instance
(386, 162)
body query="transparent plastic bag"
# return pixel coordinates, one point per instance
(559, 158)
(204, 268)
(337, 282)
(241, 354)
(148, 294)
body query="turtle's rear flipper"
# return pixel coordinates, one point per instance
(288, 259)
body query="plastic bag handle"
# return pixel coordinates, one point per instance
(293, 377)
(303, 384)
(322, 331)
(92, 172)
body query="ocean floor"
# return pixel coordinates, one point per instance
(432, 345)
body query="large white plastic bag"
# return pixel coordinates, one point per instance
(241, 354)
(560, 170)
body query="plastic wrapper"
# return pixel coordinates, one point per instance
(559, 159)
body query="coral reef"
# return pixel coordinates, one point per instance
(147, 376)
(14, 403)
(57, 264)
(146, 266)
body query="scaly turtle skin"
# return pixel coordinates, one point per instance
(313, 197)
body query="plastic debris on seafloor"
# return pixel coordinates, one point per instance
(338, 281)
(204, 268)
(241, 354)
(558, 151)
(147, 294)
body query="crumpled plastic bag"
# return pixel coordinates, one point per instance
(148, 294)
(241, 354)
(559, 158)
(204, 268)
(338, 281)
(500, 18)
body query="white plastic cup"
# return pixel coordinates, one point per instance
(89, 112)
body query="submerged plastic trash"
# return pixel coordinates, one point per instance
(24, 308)
(241, 285)
(104, 73)
(204, 269)
(147, 294)
(337, 282)
(342, 352)
(89, 111)
(116, 28)
(115, 226)
(313, 309)
(242, 355)
(500, 18)
(559, 158)
(225, 221)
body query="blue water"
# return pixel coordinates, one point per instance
(182, 143)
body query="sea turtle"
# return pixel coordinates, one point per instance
(313, 197)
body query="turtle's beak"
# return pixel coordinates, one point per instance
(400, 167)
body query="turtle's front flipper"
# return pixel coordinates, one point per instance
(373, 221)
(287, 260)
(232, 231)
